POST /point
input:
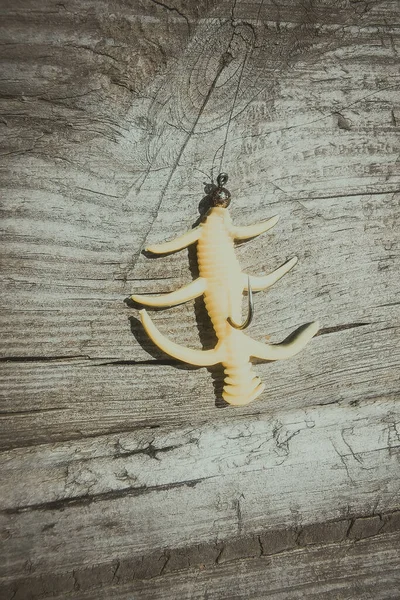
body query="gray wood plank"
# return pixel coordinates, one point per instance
(367, 569)
(135, 493)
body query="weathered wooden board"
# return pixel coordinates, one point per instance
(368, 569)
(112, 117)
(156, 489)
(348, 568)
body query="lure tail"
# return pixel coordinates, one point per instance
(241, 384)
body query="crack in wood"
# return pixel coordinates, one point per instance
(173, 9)
(32, 411)
(155, 361)
(86, 499)
(22, 359)
(336, 328)
(109, 362)
(150, 450)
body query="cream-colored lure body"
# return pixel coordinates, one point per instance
(222, 283)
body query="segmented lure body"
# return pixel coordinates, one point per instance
(222, 283)
(223, 294)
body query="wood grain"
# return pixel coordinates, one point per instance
(113, 116)
(330, 572)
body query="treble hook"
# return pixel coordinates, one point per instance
(250, 313)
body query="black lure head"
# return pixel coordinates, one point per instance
(221, 196)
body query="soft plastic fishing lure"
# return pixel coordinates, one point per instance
(222, 283)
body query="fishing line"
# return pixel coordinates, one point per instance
(230, 116)
(224, 144)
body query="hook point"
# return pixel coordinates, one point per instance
(250, 313)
